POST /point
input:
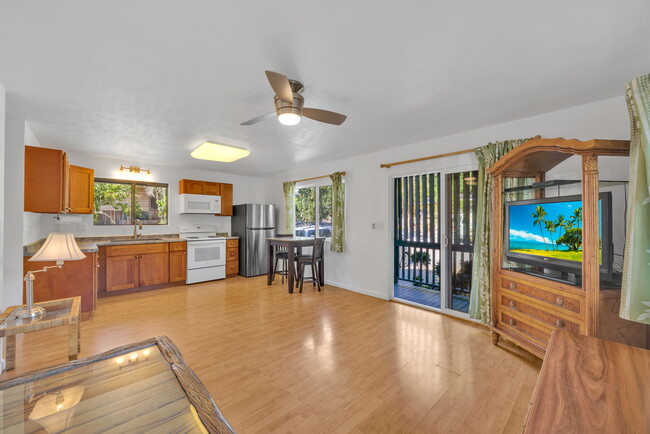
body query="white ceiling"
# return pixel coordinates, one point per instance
(149, 80)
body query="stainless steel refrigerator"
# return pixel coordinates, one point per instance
(253, 223)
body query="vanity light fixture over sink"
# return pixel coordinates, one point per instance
(217, 152)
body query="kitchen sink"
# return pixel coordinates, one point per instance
(138, 241)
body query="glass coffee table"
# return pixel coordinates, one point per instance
(63, 312)
(137, 388)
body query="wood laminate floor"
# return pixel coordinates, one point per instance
(335, 361)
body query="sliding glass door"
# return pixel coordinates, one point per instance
(434, 221)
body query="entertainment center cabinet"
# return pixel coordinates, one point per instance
(527, 307)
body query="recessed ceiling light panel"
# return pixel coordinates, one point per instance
(217, 152)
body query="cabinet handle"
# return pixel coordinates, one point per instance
(513, 285)
(513, 304)
(512, 322)
(559, 323)
(559, 301)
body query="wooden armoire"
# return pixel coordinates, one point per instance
(526, 308)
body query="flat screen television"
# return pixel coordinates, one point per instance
(547, 233)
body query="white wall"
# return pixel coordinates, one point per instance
(246, 189)
(366, 266)
(14, 165)
(2, 190)
(31, 221)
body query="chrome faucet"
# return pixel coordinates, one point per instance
(136, 224)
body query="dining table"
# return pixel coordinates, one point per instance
(293, 245)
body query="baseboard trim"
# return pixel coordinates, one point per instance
(359, 290)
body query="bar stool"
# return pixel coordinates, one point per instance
(314, 261)
(281, 254)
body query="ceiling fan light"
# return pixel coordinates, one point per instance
(289, 118)
(217, 152)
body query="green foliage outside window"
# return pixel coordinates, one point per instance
(121, 202)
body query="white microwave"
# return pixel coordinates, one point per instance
(200, 204)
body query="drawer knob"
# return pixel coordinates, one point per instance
(559, 323)
(513, 285)
(559, 301)
(513, 321)
(513, 304)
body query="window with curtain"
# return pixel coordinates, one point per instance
(313, 211)
(119, 202)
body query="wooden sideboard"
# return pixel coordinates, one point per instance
(589, 385)
(527, 308)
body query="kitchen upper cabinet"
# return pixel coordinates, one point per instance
(52, 185)
(46, 179)
(212, 188)
(226, 199)
(189, 186)
(82, 190)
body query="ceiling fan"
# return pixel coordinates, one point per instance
(289, 104)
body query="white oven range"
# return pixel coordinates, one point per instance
(206, 253)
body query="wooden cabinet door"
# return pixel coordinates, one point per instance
(45, 179)
(122, 272)
(154, 269)
(177, 266)
(226, 199)
(212, 188)
(82, 190)
(189, 186)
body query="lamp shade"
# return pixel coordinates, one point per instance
(59, 247)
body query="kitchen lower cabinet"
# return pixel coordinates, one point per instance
(154, 269)
(232, 257)
(122, 272)
(136, 266)
(74, 278)
(177, 266)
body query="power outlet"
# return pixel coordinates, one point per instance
(377, 225)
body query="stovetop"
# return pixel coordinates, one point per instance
(201, 237)
(199, 233)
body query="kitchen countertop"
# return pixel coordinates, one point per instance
(92, 244)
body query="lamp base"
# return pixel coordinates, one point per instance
(25, 312)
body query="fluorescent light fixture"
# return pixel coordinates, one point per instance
(216, 152)
(289, 119)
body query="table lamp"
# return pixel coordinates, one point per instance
(58, 247)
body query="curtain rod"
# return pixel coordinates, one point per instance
(415, 160)
(316, 177)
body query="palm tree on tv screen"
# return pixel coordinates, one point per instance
(539, 220)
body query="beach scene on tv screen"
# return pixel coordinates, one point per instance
(551, 229)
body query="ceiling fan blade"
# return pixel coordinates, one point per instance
(258, 119)
(280, 85)
(324, 116)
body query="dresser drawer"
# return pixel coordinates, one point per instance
(568, 302)
(522, 326)
(509, 303)
(177, 247)
(232, 254)
(232, 268)
(232, 243)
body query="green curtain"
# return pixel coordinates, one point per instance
(635, 290)
(289, 206)
(480, 306)
(338, 213)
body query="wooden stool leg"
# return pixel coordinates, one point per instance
(73, 340)
(313, 275)
(314, 270)
(302, 276)
(10, 349)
